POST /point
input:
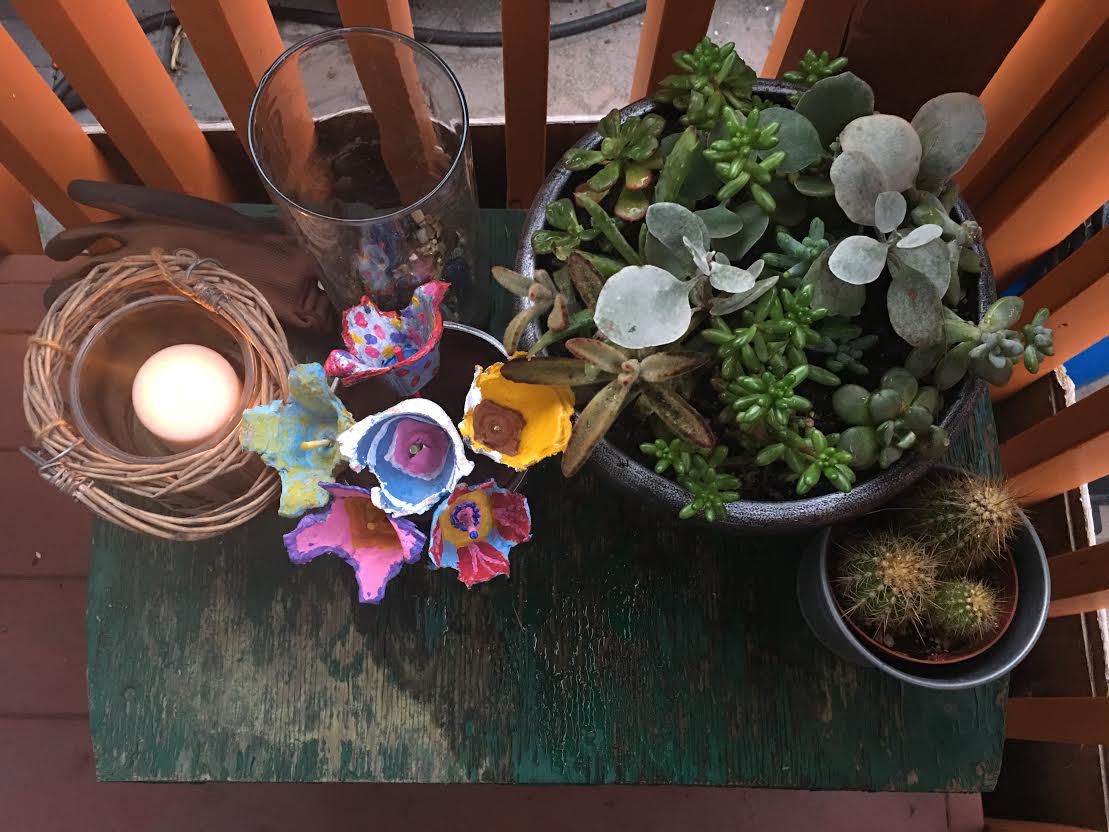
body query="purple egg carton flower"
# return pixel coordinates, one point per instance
(352, 527)
(475, 528)
(403, 346)
(414, 451)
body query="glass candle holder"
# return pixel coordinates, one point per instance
(361, 138)
(104, 369)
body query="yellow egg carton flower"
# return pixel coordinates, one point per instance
(515, 424)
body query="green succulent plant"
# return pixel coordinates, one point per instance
(709, 488)
(810, 458)
(566, 232)
(676, 454)
(625, 378)
(736, 159)
(813, 68)
(989, 349)
(628, 154)
(764, 399)
(965, 610)
(897, 417)
(886, 582)
(794, 257)
(713, 77)
(845, 344)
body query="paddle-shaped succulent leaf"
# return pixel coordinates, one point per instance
(950, 127)
(888, 141)
(859, 260)
(643, 306)
(858, 182)
(834, 102)
(797, 138)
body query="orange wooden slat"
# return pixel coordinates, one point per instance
(19, 230)
(1054, 188)
(526, 33)
(105, 55)
(820, 25)
(1062, 452)
(236, 41)
(1080, 581)
(1053, 61)
(669, 26)
(40, 143)
(382, 14)
(1076, 719)
(1077, 293)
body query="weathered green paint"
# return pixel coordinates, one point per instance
(626, 648)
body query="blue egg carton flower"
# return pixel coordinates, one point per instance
(475, 528)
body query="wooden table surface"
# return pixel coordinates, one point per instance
(627, 647)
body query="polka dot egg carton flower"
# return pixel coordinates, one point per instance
(402, 346)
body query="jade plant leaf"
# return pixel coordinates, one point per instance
(932, 261)
(920, 235)
(720, 221)
(950, 127)
(797, 137)
(831, 293)
(888, 141)
(858, 260)
(858, 182)
(832, 103)
(889, 211)
(643, 306)
(914, 309)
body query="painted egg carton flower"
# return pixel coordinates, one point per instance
(475, 528)
(413, 450)
(516, 424)
(374, 544)
(402, 346)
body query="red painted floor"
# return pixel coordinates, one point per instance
(47, 779)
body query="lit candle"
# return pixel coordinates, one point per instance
(185, 393)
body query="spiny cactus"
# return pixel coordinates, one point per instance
(713, 77)
(964, 610)
(970, 518)
(886, 581)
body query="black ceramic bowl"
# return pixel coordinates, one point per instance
(818, 606)
(629, 473)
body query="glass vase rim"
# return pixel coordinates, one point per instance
(335, 34)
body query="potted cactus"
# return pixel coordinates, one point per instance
(768, 297)
(947, 587)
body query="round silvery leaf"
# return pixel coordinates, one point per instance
(670, 222)
(920, 235)
(858, 260)
(915, 310)
(730, 278)
(701, 260)
(832, 103)
(720, 221)
(931, 260)
(857, 181)
(889, 211)
(796, 136)
(888, 141)
(755, 221)
(831, 293)
(643, 306)
(950, 127)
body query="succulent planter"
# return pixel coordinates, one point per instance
(970, 668)
(628, 472)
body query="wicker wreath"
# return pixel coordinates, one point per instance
(165, 498)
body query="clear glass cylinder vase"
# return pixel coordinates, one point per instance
(361, 136)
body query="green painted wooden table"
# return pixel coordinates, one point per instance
(627, 647)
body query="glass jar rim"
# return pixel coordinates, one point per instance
(332, 35)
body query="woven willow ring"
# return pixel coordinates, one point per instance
(169, 497)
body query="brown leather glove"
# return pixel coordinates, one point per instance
(257, 249)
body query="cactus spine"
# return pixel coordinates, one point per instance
(964, 610)
(887, 581)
